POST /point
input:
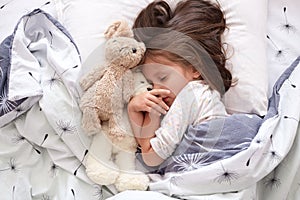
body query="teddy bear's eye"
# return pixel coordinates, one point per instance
(133, 50)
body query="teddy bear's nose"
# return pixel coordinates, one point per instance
(134, 50)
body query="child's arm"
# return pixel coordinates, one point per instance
(144, 113)
(150, 125)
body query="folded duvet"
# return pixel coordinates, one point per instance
(39, 54)
(42, 145)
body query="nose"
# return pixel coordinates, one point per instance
(157, 86)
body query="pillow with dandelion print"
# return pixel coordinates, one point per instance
(245, 36)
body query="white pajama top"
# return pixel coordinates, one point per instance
(195, 103)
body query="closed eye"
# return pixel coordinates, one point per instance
(163, 78)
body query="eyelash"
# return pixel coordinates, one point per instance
(163, 78)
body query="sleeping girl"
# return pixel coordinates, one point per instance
(182, 124)
(185, 63)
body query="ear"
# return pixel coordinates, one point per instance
(117, 29)
(196, 74)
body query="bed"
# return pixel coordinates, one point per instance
(48, 45)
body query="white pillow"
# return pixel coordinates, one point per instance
(87, 21)
(247, 22)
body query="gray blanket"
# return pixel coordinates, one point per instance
(209, 142)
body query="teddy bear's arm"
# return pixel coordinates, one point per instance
(89, 79)
(128, 85)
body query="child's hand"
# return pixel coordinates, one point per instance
(150, 101)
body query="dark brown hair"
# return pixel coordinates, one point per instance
(199, 20)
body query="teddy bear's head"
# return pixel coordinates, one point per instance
(121, 47)
(124, 50)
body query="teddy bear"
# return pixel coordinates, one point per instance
(106, 92)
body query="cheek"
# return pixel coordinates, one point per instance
(177, 84)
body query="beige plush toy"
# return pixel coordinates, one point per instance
(107, 90)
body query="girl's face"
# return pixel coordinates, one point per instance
(165, 74)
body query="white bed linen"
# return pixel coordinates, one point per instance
(283, 30)
(282, 183)
(12, 10)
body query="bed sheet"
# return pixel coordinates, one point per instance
(29, 170)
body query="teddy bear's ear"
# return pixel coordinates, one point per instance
(118, 28)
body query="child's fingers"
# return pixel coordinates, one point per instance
(156, 107)
(154, 115)
(160, 92)
(150, 100)
(157, 101)
(163, 104)
(159, 109)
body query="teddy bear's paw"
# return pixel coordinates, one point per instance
(92, 130)
(132, 181)
(101, 174)
(117, 132)
(127, 143)
(86, 83)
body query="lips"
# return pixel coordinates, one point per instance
(167, 100)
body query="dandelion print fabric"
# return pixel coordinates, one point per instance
(42, 145)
